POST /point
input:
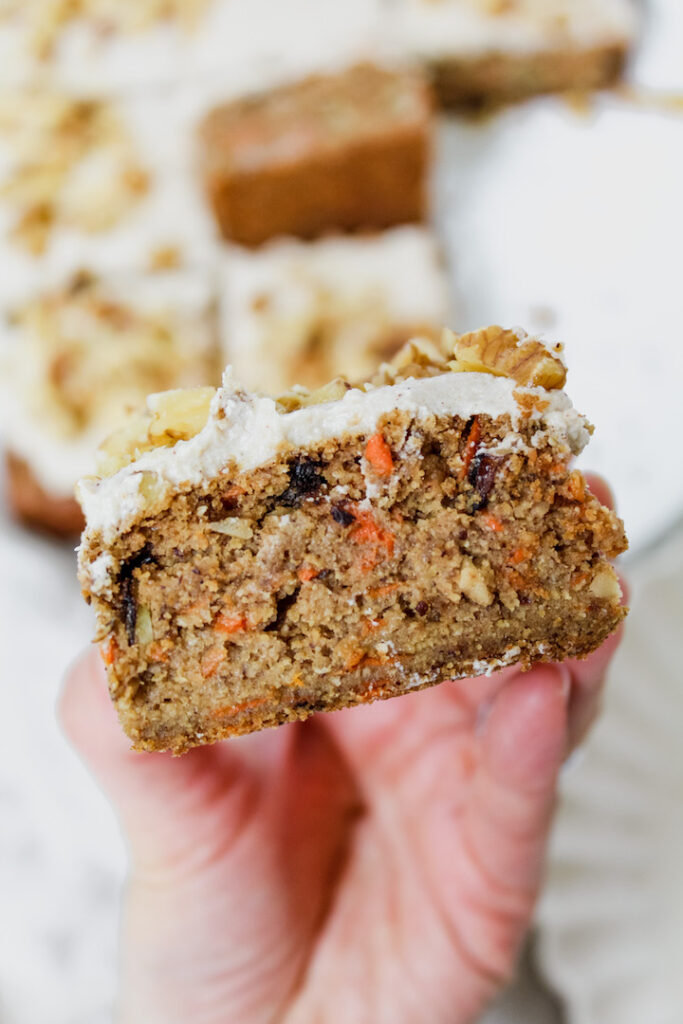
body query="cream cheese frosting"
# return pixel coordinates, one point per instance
(245, 431)
(443, 28)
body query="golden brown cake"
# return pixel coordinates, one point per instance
(252, 561)
(75, 360)
(345, 151)
(496, 51)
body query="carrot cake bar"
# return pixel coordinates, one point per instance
(344, 151)
(75, 360)
(117, 47)
(89, 183)
(496, 51)
(254, 560)
(304, 312)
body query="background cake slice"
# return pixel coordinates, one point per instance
(253, 560)
(342, 151)
(305, 312)
(496, 51)
(75, 360)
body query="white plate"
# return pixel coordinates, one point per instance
(611, 920)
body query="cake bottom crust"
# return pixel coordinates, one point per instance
(500, 78)
(178, 729)
(32, 505)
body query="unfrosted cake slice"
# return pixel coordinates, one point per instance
(305, 312)
(344, 151)
(72, 364)
(496, 51)
(252, 561)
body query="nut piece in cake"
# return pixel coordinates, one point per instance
(346, 151)
(304, 313)
(263, 559)
(496, 51)
(76, 360)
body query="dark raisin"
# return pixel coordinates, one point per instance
(145, 556)
(305, 478)
(129, 609)
(342, 515)
(282, 606)
(524, 599)
(422, 608)
(482, 476)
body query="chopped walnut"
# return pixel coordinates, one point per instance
(507, 353)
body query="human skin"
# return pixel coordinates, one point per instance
(377, 865)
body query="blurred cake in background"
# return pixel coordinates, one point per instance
(120, 46)
(304, 312)
(107, 185)
(496, 51)
(344, 151)
(73, 361)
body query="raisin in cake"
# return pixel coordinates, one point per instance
(305, 312)
(495, 51)
(252, 560)
(75, 360)
(343, 151)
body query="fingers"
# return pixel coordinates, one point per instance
(523, 745)
(155, 795)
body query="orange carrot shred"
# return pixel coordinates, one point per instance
(109, 650)
(307, 573)
(229, 625)
(473, 438)
(519, 555)
(235, 709)
(493, 523)
(211, 661)
(378, 454)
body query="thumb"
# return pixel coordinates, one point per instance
(154, 795)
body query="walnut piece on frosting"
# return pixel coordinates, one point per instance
(507, 353)
(168, 417)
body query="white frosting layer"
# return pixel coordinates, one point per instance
(452, 28)
(245, 431)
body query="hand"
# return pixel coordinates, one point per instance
(373, 866)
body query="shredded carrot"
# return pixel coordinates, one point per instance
(380, 542)
(519, 555)
(492, 523)
(383, 591)
(157, 653)
(378, 454)
(307, 573)
(211, 661)
(371, 625)
(229, 625)
(473, 438)
(236, 709)
(232, 493)
(353, 660)
(373, 661)
(109, 649)
(579, 579)
(577, 486)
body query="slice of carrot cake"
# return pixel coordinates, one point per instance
(345, 151)
(496, 51)
(254, 560)
(74, 360)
